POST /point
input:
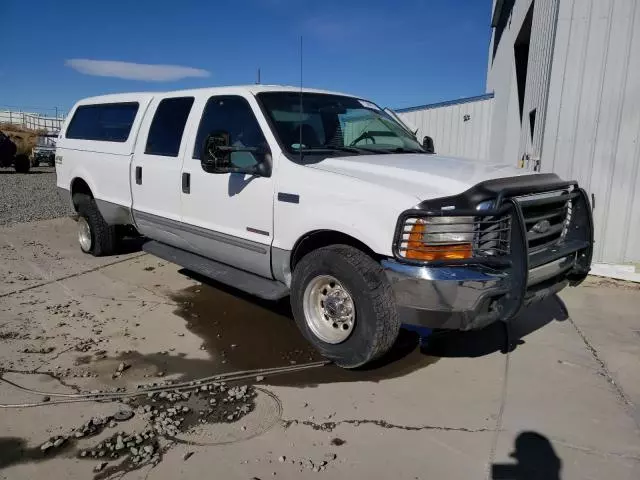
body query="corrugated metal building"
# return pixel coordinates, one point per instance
(565, 78)
(460, 128)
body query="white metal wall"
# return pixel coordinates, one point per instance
(511, 137)
(592, 131)
(545, 15)
(460, 129)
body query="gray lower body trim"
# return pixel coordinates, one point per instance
(113, 213)
(202, 232)
(281, 265)
(244, 254)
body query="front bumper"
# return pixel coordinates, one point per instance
(472, 295)
(465, 298)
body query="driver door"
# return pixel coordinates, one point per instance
(228, 217)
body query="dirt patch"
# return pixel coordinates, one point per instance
(593, 281)
(241, 332)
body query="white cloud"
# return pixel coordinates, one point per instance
(134, 71)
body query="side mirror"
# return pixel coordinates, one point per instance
(427, 144)
(214, 159)
(217, 157)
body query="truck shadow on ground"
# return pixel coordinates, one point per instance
(493, 338)
(242, 332)
(535, 459)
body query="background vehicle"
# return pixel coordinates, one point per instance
(9, 156)
(44, 150)
(327, 199)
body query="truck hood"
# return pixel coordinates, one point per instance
(423, 176)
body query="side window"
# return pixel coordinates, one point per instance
(107, 122)
(233, 115)
(167, 127)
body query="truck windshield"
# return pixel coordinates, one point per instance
(317, 123)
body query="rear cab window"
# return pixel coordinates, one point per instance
(167, 126)
(106, 122)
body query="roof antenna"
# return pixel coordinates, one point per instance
(301, 107)
(258, 79)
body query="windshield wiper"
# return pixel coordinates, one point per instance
(342, 148)
(405, 150)
(331, 149)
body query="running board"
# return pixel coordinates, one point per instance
(245, 281)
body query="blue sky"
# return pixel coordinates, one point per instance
(397, 53)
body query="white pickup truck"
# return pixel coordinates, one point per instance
(327, 199)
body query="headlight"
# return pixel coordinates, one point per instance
(438, 238)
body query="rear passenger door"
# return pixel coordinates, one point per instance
(155, 169)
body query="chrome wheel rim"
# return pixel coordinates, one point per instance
(329, 309)
(84, 234)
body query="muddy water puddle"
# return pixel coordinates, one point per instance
(241, 332)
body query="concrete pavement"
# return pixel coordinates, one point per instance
(563, 402)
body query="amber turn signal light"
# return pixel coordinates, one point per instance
(418, 250)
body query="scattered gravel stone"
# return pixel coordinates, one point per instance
(123, 415)
(259, 378)
(282, 459)
(187, 456)
(30, 196)
(100, 467)
(46, 446)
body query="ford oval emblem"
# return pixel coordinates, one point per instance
(541, 227)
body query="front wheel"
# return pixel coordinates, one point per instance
(343, 304)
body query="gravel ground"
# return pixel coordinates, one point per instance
(29, 197)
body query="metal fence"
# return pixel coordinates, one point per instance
(33, 121)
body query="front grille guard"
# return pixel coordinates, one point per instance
(578, 239)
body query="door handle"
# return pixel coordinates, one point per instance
(139, 175)
(186, 182)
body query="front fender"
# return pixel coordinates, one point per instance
(309, 200)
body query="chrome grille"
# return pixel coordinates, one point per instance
(546, 216)
(493, 236)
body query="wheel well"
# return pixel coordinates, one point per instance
(78, 185)
(323, 238)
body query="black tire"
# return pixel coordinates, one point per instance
(377, 323)
(103, 235)
(21, 163)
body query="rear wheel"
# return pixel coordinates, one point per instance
(21, 163)
(95, 236)
(344, 305)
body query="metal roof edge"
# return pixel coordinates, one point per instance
(460, 101)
